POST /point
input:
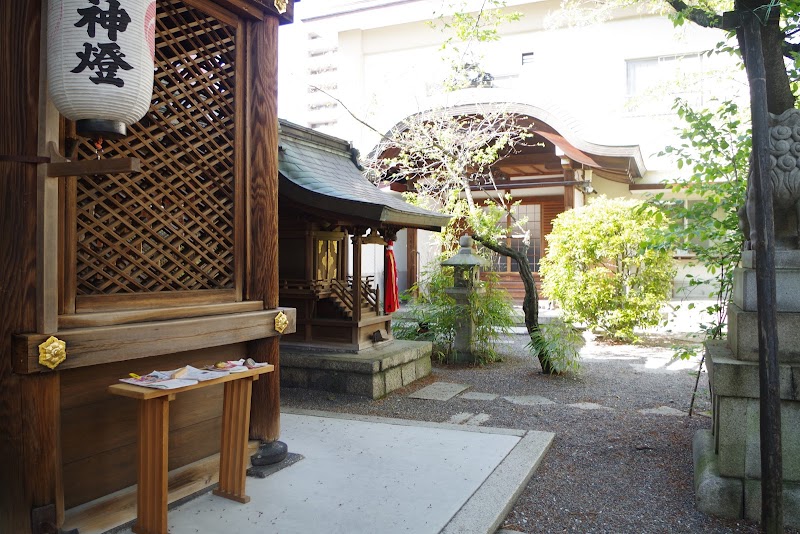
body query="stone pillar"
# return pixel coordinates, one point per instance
(466, 273)
(465, 327)
(727, 459)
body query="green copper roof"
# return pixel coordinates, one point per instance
(319, 171)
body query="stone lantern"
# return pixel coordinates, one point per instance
(466, 273)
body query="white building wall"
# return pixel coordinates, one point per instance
(389, 66)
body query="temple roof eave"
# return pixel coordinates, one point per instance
(320, 172)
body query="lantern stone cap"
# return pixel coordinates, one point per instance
(465, 257)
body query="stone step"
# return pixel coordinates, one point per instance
(743, 335)
(787, 285)
(784, 259)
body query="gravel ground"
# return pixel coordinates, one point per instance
(610, 469)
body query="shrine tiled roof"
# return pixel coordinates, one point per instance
(320, 171)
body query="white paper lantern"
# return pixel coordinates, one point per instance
(100, 62)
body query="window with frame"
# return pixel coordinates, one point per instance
(532, 215)
(654, 83)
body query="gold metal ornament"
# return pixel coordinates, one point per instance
(281, 5)
(281, 322)
(52, 352)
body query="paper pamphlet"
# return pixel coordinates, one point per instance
(165, 380)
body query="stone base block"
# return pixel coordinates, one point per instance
(732, 377)
(791, 502)
(743, 335)
(370, 373)
(735, 388)
(714, 494)
(731, 497)
(787, 282)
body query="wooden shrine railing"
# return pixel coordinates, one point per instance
(338, 290)
(369, 290)
(343, 294)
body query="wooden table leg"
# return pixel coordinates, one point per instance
(233, 449)
(151, 494)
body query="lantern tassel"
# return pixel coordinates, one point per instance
(98, 146)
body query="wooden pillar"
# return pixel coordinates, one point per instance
(262, 127)
(760, 185)
(357, 239)
(310, 251)
(344, 258)
(310, 310)
(29, 405)
(569, 190)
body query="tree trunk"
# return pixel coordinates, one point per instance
(773, 43)
(779, 92)
(530, 305)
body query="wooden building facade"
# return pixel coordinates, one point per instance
(328, 213)
(159, 252)
(551, 172)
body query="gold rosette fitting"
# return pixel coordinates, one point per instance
(52, 352)
(281, 322)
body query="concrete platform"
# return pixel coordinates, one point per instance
(368, 474)
(372, 372)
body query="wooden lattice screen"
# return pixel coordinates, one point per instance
(170, 227)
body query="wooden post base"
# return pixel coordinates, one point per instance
(151, 501)
(235, 430)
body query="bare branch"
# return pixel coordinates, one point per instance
(441, 152)
(699, 16)
(349, 111)
(791, 49)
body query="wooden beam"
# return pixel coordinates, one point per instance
(260, 9)
(530, 159)
(98, 345)
(88, 167)
(29, 406)
(108, 318)
(151, 301)
(262, 142)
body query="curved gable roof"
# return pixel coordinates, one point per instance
(320, 171)
(623, 163)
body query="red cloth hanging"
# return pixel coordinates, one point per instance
(392, 298)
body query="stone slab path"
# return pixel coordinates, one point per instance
(445, 391)
(440, 391)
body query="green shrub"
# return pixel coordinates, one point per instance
(562, 343)
(493, 315)
(603, 271)
(433, 315)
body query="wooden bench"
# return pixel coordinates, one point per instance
(153, 433)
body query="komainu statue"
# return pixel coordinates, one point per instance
(784, 171)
